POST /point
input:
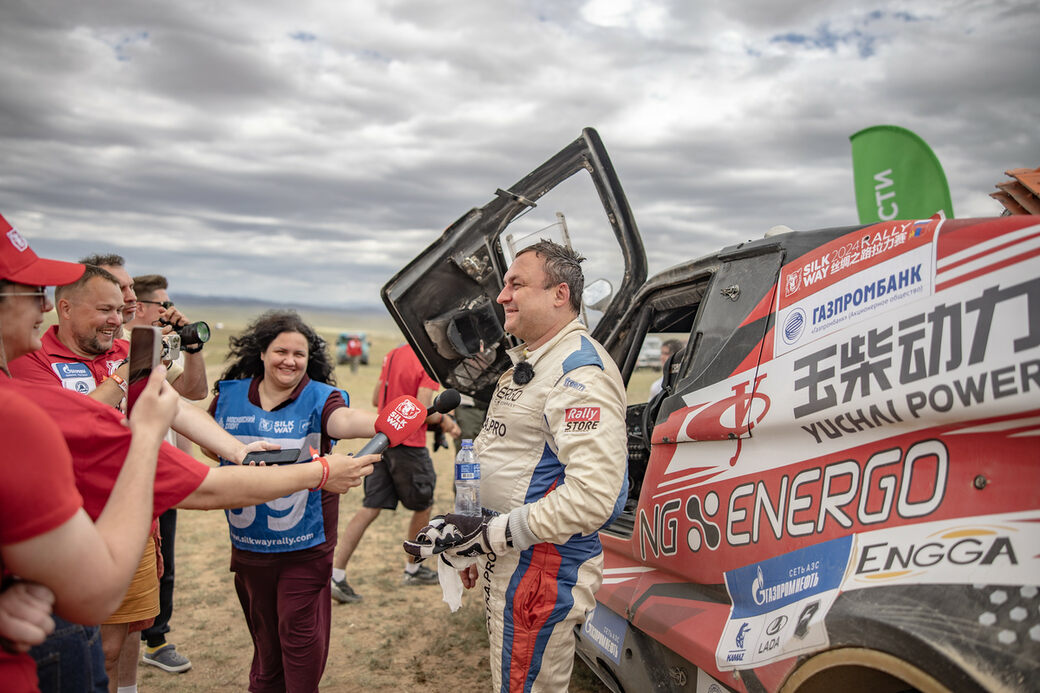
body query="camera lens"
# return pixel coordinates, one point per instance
(194, 333)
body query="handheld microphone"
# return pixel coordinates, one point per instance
(398, 420)
(403, 417)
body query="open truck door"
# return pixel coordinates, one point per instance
(444, 300)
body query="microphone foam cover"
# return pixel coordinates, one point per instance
(446, 401)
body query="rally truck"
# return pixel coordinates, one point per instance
(838, 486)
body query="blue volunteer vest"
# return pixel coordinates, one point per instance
(292, 522)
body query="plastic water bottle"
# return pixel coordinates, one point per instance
(467, 481)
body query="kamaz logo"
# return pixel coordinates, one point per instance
(744, 628)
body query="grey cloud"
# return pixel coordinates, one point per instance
(311, 151)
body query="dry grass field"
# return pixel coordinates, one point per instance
(398, 638)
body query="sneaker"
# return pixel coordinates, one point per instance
(343, 593)
(167, 658)
(423, 576)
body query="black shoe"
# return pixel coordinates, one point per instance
(343, 593)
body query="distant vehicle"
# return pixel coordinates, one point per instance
(838, 488)
(353, 348)
(650, 354)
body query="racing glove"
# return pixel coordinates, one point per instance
(460, 535)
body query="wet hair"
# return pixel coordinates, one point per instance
(88, 274)
(562, 266)
(147, 284)
(245, 350)
(111, 260)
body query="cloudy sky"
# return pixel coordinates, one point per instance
(305, 151)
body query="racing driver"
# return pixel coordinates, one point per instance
(553, 472)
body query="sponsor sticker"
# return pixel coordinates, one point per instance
(857, 297)
(606, 630)
(574, 384)
(75, 376)
(276, 426)
(779, 605)
(995, 550)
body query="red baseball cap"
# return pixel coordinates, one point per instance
(18, 263)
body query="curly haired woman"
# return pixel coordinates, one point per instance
(280, 388)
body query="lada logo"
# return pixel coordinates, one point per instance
(776, 625)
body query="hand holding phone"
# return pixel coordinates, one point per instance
(284, 456)
(144, 356)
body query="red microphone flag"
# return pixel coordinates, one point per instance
(400, 419)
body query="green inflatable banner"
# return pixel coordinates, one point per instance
(897, 176)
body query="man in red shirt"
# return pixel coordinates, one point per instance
(406, 477)
(81, 352)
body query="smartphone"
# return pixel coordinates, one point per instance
(284, 456)
(145, 344)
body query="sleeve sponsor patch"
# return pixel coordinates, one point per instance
(581, 419)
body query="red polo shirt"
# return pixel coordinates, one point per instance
(35, 497)
(98, 441)
(55, 363)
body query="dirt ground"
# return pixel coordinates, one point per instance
(398, 638)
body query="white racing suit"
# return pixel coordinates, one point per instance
(553, 456)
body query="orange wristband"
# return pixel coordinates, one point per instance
(120, 382)
(324, 472)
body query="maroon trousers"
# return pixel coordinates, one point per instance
(288, 610)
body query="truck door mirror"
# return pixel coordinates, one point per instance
(597, 295)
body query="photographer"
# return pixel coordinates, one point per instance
(154, 307)
(187, 374)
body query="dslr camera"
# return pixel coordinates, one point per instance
(188, 337)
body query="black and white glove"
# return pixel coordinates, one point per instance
(460, 535)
